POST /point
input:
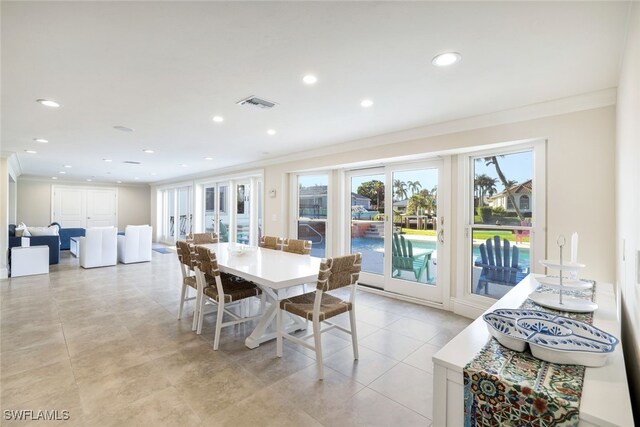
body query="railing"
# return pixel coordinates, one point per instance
(314, 230)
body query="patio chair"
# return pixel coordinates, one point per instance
(404, 260)
(499, 264)
(319, 306)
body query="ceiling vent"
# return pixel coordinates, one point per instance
(254, 101)
(131, 162)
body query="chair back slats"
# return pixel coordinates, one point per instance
(339, 272)
(499, 261)
(208, 261)
(185, 254)
(270, 242)
(204, 238)
(302, 247)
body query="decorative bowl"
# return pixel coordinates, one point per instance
(239, 249)
(555, 339)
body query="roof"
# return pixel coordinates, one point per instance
(525, 188)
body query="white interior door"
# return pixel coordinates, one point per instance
(69, 207)
(101, 208)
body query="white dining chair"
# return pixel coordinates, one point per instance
(319, 306)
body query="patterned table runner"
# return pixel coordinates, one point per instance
(505, 388)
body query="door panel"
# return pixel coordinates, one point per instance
(69, 207)
(101, 208)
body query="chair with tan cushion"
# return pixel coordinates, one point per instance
(302, 247)
(202, 238)
(270, 242)
(188, 261)
(319, 306)
(226, 289)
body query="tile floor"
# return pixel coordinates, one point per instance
(105, 345)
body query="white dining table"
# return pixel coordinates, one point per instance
(274, 271)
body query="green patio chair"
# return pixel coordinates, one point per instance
(405, 260)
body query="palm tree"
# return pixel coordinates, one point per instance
(493, 160)
(484, 185)
(414, 186)
(400, 189)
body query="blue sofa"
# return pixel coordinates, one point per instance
(66, 234)
(52, 241)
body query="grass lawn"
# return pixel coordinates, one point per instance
(477, 234)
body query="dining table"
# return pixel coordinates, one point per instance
(275, 272)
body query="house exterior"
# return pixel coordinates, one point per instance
(358, 200)
(521, 194)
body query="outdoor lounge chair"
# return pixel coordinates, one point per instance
(499, 265)
(405, 260)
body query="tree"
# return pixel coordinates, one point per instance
(399, 189)
(414, 186)
(484, 185)
(373, 190)
(425, 200)
(493, 160)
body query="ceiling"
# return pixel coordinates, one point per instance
(165, 69)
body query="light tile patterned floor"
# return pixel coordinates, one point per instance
(105, 345)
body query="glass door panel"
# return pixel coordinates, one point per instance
(417, 235)
(312, 211)
(223, 213)
(210, 209)
(243, 228)
(367, 230)
(502, 222)
(184, 217)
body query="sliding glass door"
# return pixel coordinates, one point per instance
(397, 221)
(312, 209)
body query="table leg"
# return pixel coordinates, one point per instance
(261, 334)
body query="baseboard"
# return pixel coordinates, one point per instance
(4, 273)
(467, 309)
(400, 297)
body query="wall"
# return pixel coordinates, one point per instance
(4, 215)
(628, 204)
(580, 177)
(34, 202)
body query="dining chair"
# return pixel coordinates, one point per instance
(203, 238)
(226, 289)
(319, 306)
(302, 247)
(271, 242)
(188, 261)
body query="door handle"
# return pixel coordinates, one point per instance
(441, 236)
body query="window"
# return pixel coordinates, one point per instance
(500, 235)
(312, 211)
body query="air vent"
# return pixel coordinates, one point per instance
(254, 101)
(131, 162)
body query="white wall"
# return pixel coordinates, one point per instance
(580, 178)
(628, 204)
(34, 202)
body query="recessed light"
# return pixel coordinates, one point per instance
(366, 103)
(153, 174)
(135, 177)
(218, 119)
(107, 160)
(208, 158)
(89, 179)
(30, 151)
(445, 59)
(62, 172)
(119, 182)
(41, 140)
(184, 165)
(123, 128)
(147, 151)
(54, 177)
(310, 79)
(68, 166)
(48, 103)
(271, 132)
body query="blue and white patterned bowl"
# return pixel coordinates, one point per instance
(555, 339)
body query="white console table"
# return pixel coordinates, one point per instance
(29, 260)
(605, 395)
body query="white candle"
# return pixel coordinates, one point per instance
(574, 247)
